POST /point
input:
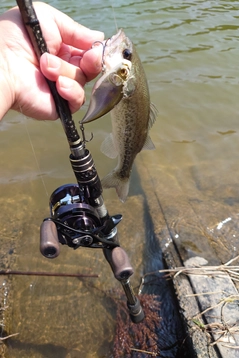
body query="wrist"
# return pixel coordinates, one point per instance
(7, 93)
(6, 98)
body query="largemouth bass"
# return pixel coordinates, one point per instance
(123, 89)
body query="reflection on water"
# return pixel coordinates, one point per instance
(190, 54)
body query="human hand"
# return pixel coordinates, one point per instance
(71, 62)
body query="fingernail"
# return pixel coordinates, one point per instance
(53, 61)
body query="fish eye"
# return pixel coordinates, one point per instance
(127, 54)
(123, 72)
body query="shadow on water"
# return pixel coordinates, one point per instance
(172, 337)
(44, 350)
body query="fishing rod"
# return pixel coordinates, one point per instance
(78, 215)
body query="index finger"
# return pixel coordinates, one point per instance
(74, 34)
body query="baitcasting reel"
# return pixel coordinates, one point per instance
(78, 214)
(75, 223)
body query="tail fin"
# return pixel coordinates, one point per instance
(112, 180)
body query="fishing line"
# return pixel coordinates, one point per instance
(35, 157)
(116, 26)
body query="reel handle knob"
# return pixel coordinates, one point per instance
(119, 262)
(49, 244)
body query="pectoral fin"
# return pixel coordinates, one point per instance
(152, 115)
(108, 147)
(149, 145)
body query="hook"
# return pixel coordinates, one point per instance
(84, 140)
(104, 44)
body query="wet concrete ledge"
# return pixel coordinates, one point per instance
(208, 300)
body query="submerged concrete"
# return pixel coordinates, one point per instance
(185, 223)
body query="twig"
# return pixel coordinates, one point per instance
(222, 270)
(224, 321)
(206, 310)
(232, 260)
(142, 351)
(10, 335)
(222, 329)
(228, 346)
(223, 301)
(204, 293)
(39, 273)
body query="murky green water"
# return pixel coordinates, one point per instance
(190, 53)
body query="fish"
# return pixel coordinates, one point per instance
(123, 91)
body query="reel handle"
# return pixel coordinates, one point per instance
(49, 243)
